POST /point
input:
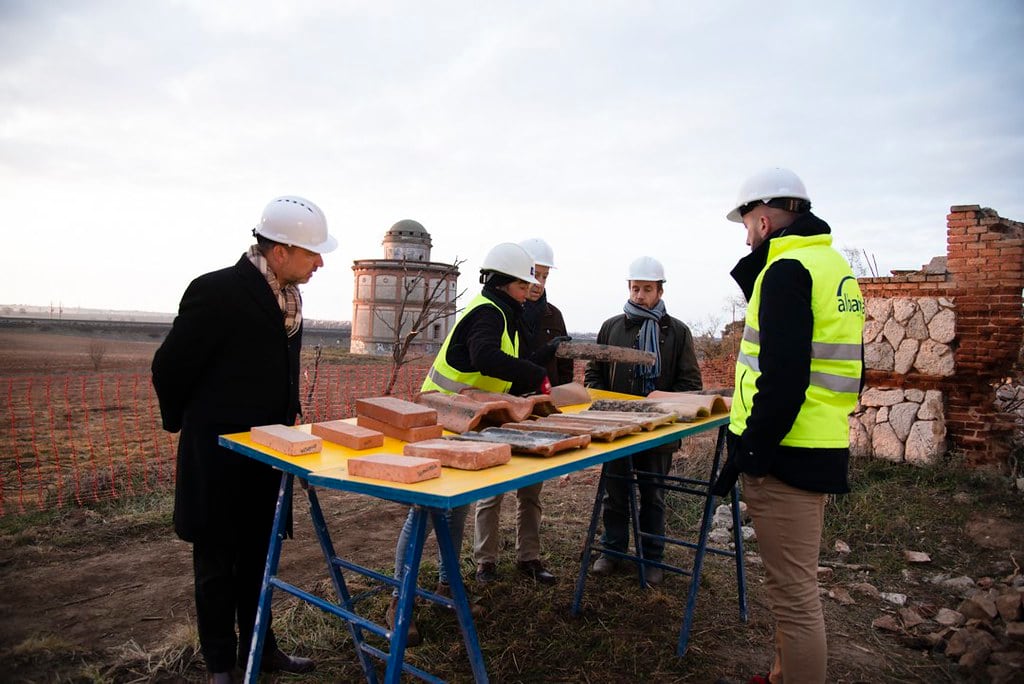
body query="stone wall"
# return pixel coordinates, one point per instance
(970, 304)
(904, 335)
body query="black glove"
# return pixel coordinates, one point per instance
(544, 355)
(726, 479)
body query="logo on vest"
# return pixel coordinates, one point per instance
(844, 302)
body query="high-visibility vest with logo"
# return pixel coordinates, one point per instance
(443, 378)
(836, 361)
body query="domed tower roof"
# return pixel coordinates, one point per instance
(408, 240)
(408, 227)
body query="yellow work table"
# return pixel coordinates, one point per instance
(328, 469)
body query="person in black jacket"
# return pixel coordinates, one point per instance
(231, 362)
(798, 374)
(542, 325)
(485, 351)
(645, 325)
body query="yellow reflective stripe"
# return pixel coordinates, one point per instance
(835, 350)
(447, 384)
(749, 361)
(836, 383)
(819, 350)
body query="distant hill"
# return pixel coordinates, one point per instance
(58, 313)
(327, 333)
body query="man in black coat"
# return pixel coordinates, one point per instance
(647, 326)
(229, 363)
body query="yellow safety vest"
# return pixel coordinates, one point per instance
(443, 378)
(838, 310)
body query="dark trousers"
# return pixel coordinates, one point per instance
(228, 578)
(652, 501)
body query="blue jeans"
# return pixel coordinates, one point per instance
(456, 523)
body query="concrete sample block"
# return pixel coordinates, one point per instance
(348, 435)
(412, 434)
(461, 455)
(395, 468)
(287, 440)
(396, 412)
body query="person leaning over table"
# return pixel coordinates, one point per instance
(231, 362)
(542, 325)
(799, 372)
(482, 351)
(644, 325)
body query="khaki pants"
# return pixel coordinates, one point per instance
(487, 535)
(788, 524)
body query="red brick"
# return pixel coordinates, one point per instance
(413, 434)
(348, 435)
(396, 412)
(394, 468)
(464, 455)
(287, 440)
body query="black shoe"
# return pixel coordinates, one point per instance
(278, 661)
(535, 569)
(654, 575)
(486, 572)
(220, 678)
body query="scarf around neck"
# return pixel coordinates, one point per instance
(532, 313)
(648, 340)
(288, 297)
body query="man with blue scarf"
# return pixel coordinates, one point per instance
(645, 325)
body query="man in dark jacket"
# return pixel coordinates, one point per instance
(646, 326)
(229, 363)
(798, 374)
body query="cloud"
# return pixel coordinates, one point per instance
(149, 135)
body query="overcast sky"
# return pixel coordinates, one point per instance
(140, 140)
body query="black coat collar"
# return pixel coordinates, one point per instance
(747, 269)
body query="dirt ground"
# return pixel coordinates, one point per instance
(134, 590)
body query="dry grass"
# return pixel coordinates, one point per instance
(623, 633)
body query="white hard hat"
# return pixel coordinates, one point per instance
(296, 221)
(769, 184)
(540, 250)
(646, 268)
(512, 260)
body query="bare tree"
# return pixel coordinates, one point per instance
(418, 312)
(97, 350)
(738, 305)
(861, 262)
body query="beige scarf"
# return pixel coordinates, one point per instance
(288, 297)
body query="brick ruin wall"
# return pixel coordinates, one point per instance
(939, 341)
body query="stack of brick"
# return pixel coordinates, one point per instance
(398, 418)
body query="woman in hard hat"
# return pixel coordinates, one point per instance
(542, 324)
(482, 351)
(645, 325)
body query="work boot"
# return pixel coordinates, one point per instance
(220, 678)
(535, 569)
(654, 575)
(278, 661)
(604, 566)
(486, 572)
(413, 638)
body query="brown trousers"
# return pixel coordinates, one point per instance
(487, 537)
(788, 523)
